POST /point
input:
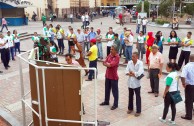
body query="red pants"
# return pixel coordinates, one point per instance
(147, 55)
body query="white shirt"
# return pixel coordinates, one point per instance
(174, 84)
(130, 41)
(71, 16)
(138, 21)
(16, 39)
(138, 69)
(144, 22)
(187, 41)
(80, 37)
(2, 41)
(140, 39)
(59, 35)
(188, 73)
(110, 43)
(83, 18)
(87, 18)
(10, 40)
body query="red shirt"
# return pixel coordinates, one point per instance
(120, 16)
(111, 72)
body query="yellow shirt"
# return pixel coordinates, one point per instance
(94, 51)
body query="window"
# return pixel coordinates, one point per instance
(108, 4)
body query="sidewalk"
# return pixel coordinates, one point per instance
(181, 26)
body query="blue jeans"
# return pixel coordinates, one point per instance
(61, 45)
(144, 29)
(17, 47)
(52, 37)
(100, 53)
(122, 50)
(128, 52)
(138, 28)
(92, 64)
(12, 52)
(111, 84)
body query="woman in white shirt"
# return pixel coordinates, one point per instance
(16, 41)
(171, 89)
(141, 44)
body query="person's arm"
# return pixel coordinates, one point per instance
(140, 70)
(183, 76)
(161, 64)
(137, 43)
(169, 81)
(189, 44)
(165, 91)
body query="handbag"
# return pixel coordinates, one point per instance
(177, 96)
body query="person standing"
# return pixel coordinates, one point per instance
(43, 20)
(11, 44)
(162, 39)
(111, 77)
(110, 39)
(87, 19)
(141, 44)
(129, 46)
(149, 44)
(91, 34)
(171, 89)
(16, 41)
(121, 19)
(71, 36)
(117, 42)
(138, 24)
(173, 42)
(186, 50)
(5, 54)
(92, 56)
(122, 49)
(4, 24)
(187, 79)
(59, 37)
(83, 21)
(71, 18)
(134, 70)
(155, 65)
(99, 44)
(45, 30)
(53, 51)
(144, 25)
(51, 32)
(80, 39)
(158, 42)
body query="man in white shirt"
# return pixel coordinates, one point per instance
(11, 44)
(71, 18)
(186, 50)
(87, 19)
(129, 46)
(5, 54)
(80, 39)
(138, 24)
(144, 25)
(135, 72)
(83, 21)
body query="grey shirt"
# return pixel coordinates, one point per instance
(80, 37)
(138, 69)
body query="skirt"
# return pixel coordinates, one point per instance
(173, 52)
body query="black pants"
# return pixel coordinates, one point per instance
(115, 91)
(4, 25)
(169, 102)
(184, 56)
(108, 50)
(189, 98)
(138, 99)
(5, 55)
(154, 80)
(92, 64)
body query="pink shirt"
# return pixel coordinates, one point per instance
(74, 63)
(155, 60)
(4, 21)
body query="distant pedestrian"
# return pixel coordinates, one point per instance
(172, 88)
(111, 77)
(92, 56)
(71, 18)
(59, 36)
(11, 44)
(141, 42)
(121, 19)
(155, 66)
(99, 44)
(16, 40)
(186, 50)
(43, 20)
(187, 78)
(134, 70)
(4, 24)
(162, 39)
(117, 42)
(122, 49)
(110, 39)
(158, 42)
(144, 25)
(138, 24)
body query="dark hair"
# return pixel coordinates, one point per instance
(116, 35)
(190, 33)
(57, 28)
(68, 55)
(157, 37)
(158, 32)
(53, 43)
(110, 27)
(51, 25)
(141, 32)
(14, 31)
(174, 35)
(173, 66)
(136, 53)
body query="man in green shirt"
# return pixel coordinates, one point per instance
(117, 42)
(43, 19)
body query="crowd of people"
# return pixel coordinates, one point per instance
(88, 43)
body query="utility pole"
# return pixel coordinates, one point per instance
(79, 6)
(142, 6)
(173, 7)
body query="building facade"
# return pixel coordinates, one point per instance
(61, 7)
(109, 2)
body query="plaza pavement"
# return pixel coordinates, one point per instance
(151, 107)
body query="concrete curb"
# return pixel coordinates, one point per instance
(9, 118)
(160, 26)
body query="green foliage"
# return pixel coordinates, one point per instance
(161, 22)
(146, 7)
(189, 9)
(164, 8)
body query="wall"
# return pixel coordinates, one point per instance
(110, 2)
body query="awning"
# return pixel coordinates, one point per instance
(17, 3)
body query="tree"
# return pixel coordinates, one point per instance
(146, 7)
(189, 9)
(165, 8)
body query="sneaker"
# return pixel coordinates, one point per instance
(171, 122)
(162, 120)
(137, 114)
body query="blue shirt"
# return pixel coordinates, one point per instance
(92, 35)
(188, 73)
(122, 39)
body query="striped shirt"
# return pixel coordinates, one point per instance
(188, 73)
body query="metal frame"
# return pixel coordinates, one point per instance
(47, 119)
